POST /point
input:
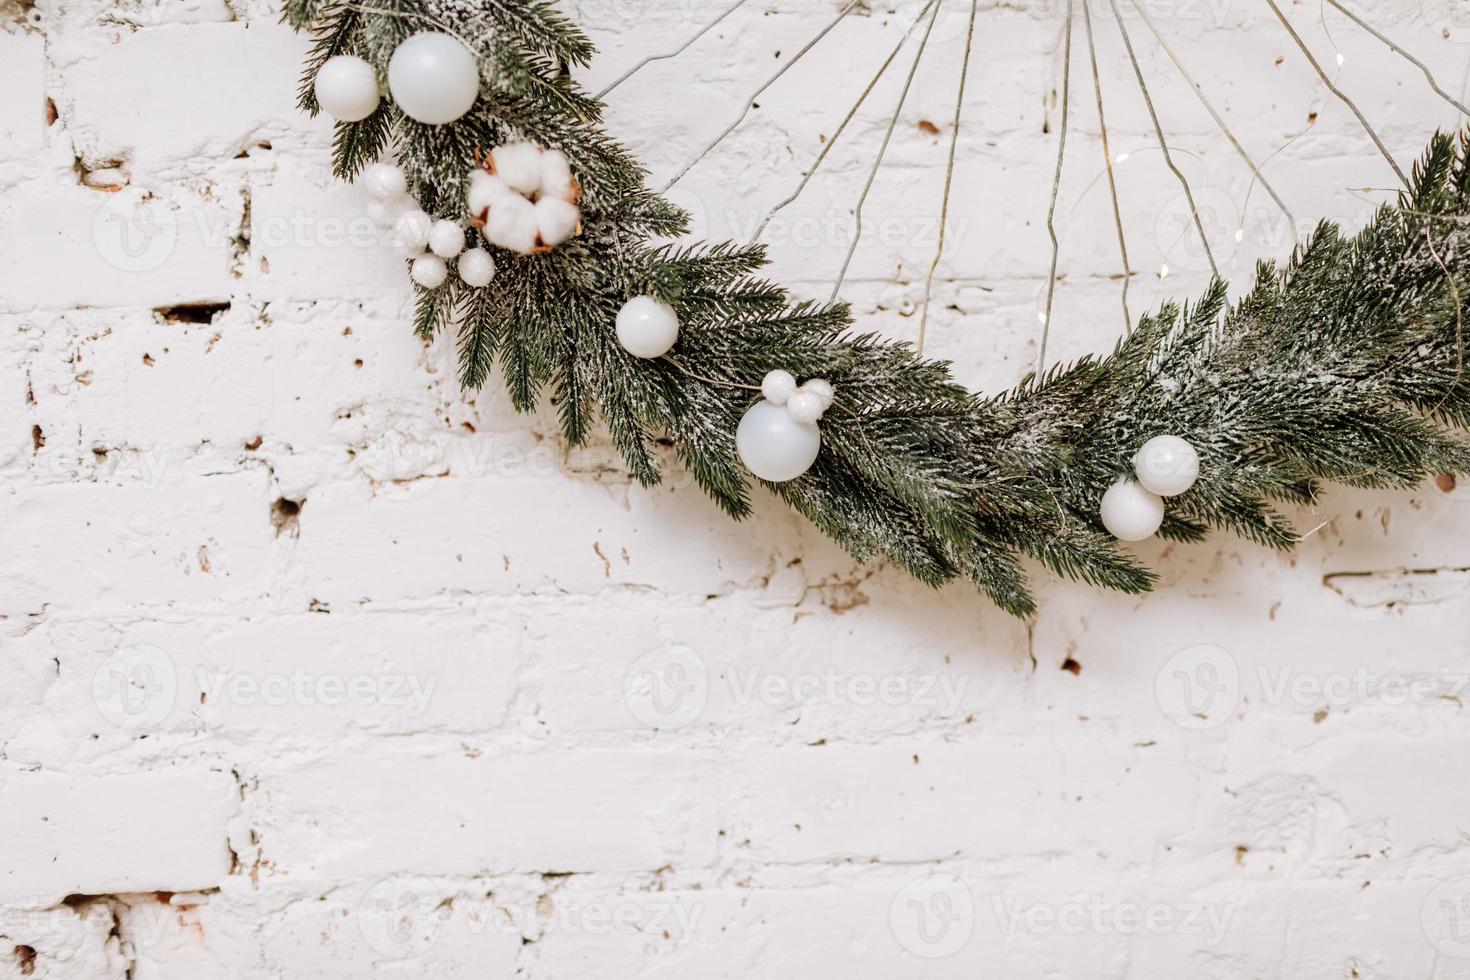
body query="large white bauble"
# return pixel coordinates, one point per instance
(446, 239)
(773, 445)
(778, 386)
(556, 220)
(429, 271)
(647, 327)
(433, 78)
(476, 267)
(411, 231)
(1167, 466)
(384, 181)
(556, 175)
(347, 88)
(511, 224)
(1131, 513)
(519, 165)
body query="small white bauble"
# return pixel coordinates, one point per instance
(429, 271)
(1131, 513)
(347, 88)
(778, 386)
(476, 267)
(446, 239)
(805, 406)
(485, 190)
(384, 181)
(556, 220)
(556, 175)
(511, 224)
(519, 165)
(1167, 466)
(647, 327)
(433, 78)
(773, 445)
(389, 211)
(823, 390)
(411, 231)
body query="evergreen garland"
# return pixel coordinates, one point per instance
(1345, 365)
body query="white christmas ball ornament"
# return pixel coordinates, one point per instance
(519, 165)
(347, 88)
(433, 78)
(1167, 466)
(1131, 513)
(385, 181)
(823, 390)
(773, 445)
(446, 239)
(485, 190)
(511, 224)
(389, 211)
(429, 271)
(805, 406)
(556, 220)
(778, 386)
(476, 268)
(411, 231)
(556, 175)
(647, 327)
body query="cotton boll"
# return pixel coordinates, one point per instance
(446, 239)
(556, 175)
(485, 189)
(556, 220)
(519, 165)
(512, 225)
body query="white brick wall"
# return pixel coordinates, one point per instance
(314, 666)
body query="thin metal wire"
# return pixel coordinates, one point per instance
(846, 121)
(1056, 187)
(750, 103)
(674, 53)
(954, 142)
(882, 152)
(1402, 53)
(1218, 118)
(1332, 87)
(1163, 143)
(1102, 124)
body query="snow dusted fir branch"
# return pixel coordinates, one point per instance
(1345, 365)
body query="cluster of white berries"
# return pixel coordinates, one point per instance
(525, 198)
(1133, 510)
(778, 439)
(428, 243)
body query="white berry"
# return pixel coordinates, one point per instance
(511, 224)
(556, 175)
(773, 445)
(476, 267)
(446, 239)
(384, 181)
(823, 390)
(429, 271)
(519, 165)
(347, 88)
(389, 211)
(778, 386)
(805, 406)
(647, 327)
(556, 220)
(1131, 513)
(411, 230)
(1167, 466)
